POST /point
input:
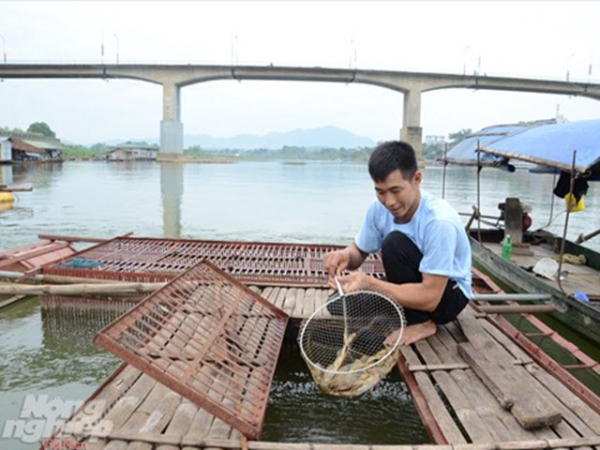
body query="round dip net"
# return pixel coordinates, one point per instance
(352, 342)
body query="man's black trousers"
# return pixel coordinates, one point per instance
(401, 260)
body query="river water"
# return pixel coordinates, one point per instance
(258, 201)
(49, 351)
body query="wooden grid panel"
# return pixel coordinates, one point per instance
(209, 338)
(145, 259)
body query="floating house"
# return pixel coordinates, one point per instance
(52, 148)
(15, 149)
(131, 151)
(29, 147)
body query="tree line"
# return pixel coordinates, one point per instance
(429, 152)
(38, 128)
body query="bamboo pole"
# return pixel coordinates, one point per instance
(14, 275)
(474, 216)
(58, 279)
(79, 289)
(450, 366)
(516, 309)
(58, 237)
(584, 237)
(61, 279)
(512, 297)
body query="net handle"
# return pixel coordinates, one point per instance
(341, 292)
(339, 286)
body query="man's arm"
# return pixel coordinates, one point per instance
(424, 296)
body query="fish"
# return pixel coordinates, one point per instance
(349, 380)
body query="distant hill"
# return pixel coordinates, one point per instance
(316, 138)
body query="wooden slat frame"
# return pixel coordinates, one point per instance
(209, 338)
(151, 259)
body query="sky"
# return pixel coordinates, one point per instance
(538, 39)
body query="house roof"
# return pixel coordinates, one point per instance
(46, 145)
(133, 146)
(20, 144)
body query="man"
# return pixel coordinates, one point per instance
(424, 247)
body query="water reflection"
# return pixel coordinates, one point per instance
(72, 322)
(48, 350)
(45, 347)
(40, 175)
(171, 189)
(6, 174)
(6, 178)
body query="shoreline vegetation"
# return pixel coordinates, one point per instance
(287, 154)
(291, 155)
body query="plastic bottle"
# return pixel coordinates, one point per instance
(507, 246)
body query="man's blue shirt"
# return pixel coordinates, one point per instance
(436, 230)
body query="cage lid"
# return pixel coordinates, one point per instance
(209, 338)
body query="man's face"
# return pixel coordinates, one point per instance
(401, 197)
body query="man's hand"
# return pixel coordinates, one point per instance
(355, 281)
(336, 262)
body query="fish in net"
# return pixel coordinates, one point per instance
(352, 342)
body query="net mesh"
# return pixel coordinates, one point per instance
(351, 342)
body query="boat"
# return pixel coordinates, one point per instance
(574, 288)
(517, 275)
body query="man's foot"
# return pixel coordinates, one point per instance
(414, 333)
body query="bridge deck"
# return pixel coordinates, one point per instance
(132, 411)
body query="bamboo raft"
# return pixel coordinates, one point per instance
(472, 385)
(460, 399)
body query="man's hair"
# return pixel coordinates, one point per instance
(390, 156)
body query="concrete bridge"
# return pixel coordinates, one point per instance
(174, 77)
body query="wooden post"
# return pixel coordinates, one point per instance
(513, 220)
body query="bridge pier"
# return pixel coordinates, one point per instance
(412, 132)
(171, 127)
(171, 189)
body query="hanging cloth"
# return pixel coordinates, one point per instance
(580, 186)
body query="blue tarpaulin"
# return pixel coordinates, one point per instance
(546, 144)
